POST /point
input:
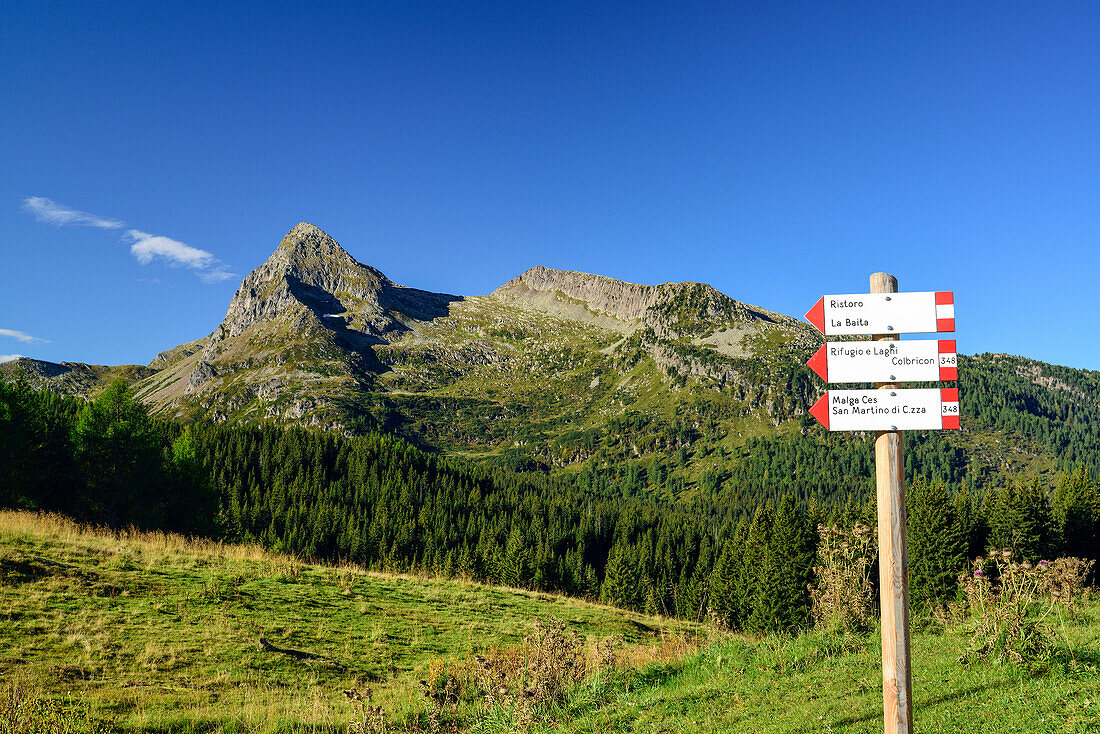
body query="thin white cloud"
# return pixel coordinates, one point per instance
(48, 210)
(144, 246)
(217, 275)
(147, 247)
(9, 357)
(23, 337)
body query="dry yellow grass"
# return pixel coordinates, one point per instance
(60, 528)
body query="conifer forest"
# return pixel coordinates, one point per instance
(738, 546)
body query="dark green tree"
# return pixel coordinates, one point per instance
(119, 453)
(622, 583)
(515, 568)
(1076, 508)
(730, 581)
(191, 504)
(937, 543)
(789, 568)
(1021, 519)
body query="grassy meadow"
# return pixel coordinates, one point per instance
(155, 633)
(152, 632)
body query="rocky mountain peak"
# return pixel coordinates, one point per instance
(668, 307)
(308, 272)
(308, 241)
(308, 253)
(626, 301)
(309, 298)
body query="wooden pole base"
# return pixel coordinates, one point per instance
(893, 564)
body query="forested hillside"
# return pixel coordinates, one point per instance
(675, 392)
(741, 542)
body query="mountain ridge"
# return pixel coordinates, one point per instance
(630, 301)
(553, 369)
(346, 325)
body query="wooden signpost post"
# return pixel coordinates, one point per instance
(884, 314)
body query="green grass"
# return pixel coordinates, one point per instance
(823, 684)
(152, 633)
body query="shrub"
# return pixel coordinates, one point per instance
(842, 595)
(1007, 607)
(24, 710)
(1063, 579)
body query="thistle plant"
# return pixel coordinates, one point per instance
(1009, 603)
(523, 684)
(842, 593)
(369, 719)
(1063, 580)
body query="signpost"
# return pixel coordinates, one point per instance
(912, 361)
(884, 314)
(888, 410)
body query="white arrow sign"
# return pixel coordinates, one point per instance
(886, 361)
(919, 312)
(888, 410)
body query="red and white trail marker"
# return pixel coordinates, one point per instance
(886, 361)
(916, 312)
(888, 410)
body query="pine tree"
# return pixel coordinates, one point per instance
(192, 504)
(650, 605)
(729, 584)
(120, 457)
(590, 588)
(515, 567)
(791, 569)
(1077, 513)
(691, 596)
(622, 582)
(972, 523)
(937, 548)
(1021, 519)
(760, 611)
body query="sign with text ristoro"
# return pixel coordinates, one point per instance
(888, 410)
(886, 361)
(918, 312)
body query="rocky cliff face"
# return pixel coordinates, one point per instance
(298, 336)
(70, 378)
(308, 273)
(670, 309)
(616, 298)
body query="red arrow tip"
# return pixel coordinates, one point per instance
(819, 363)
(821, 410)
(816, 315)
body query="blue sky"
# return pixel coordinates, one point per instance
(778, 151)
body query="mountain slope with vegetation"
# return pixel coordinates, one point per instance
(738, 548)
(674, 390)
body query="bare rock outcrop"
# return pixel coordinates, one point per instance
(70, 378)
(625, 301)
(670, 309)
